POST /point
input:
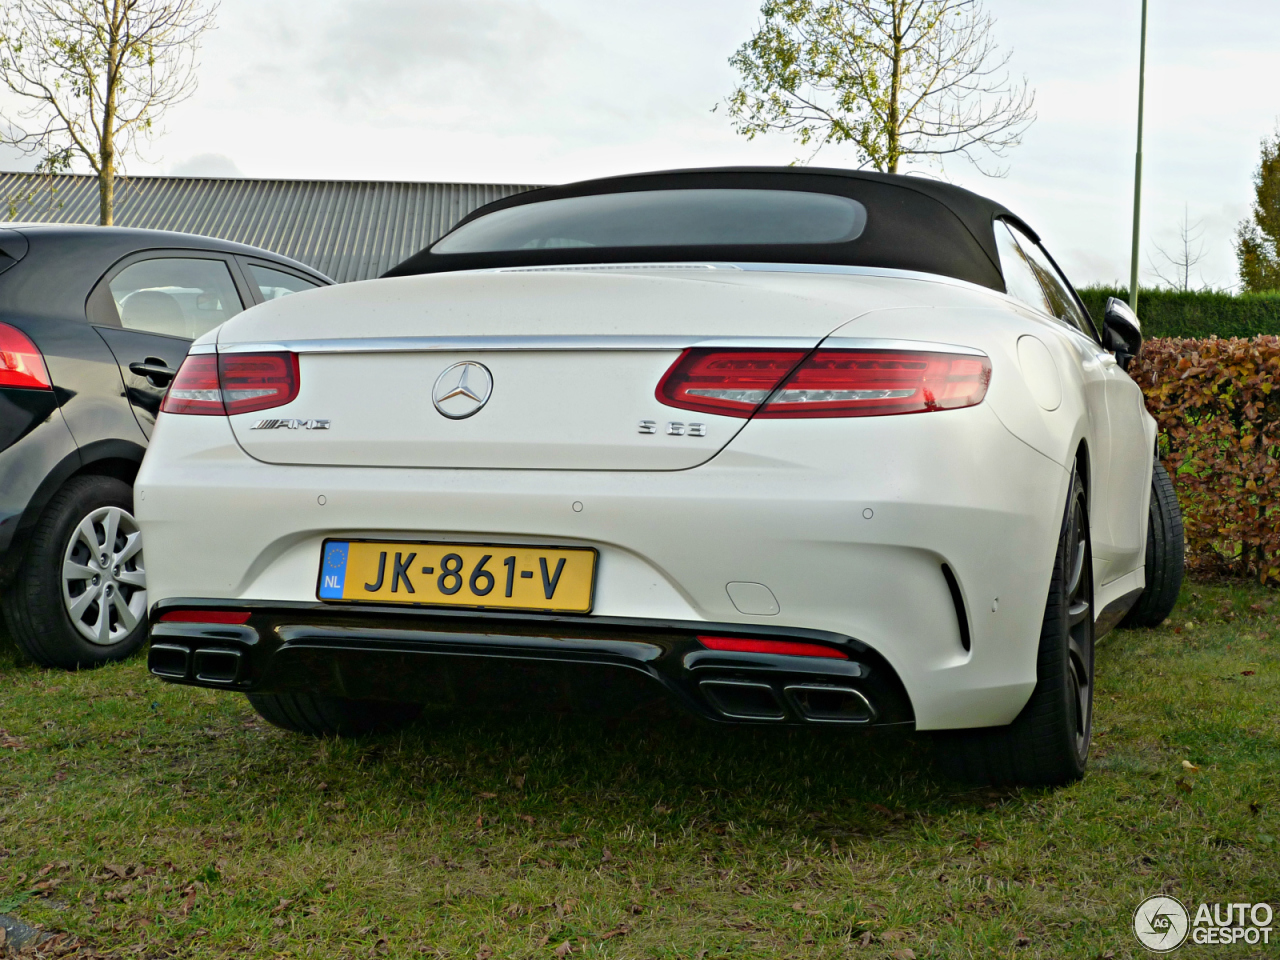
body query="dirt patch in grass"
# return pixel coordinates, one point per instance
(140, 819)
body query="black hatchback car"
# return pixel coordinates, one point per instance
(94, 323)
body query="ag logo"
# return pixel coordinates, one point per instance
(1161, 923)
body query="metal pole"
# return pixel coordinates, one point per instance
(1137, 176)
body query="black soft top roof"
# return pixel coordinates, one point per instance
(912, 224)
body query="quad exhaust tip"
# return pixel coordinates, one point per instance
(218, 665)
(815, 702)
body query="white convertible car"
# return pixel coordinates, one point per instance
(782, 446)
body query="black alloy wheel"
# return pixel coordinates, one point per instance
(1166, 554)
(1048, 743)
(320, 716)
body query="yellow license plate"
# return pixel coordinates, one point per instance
(474, 575)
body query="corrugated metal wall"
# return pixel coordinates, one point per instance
(346, 229)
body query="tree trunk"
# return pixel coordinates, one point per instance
(107, 193)
(107, 148)
(895, 89)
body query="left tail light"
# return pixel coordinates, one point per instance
(229, 383)
(826, 383)
(21, 364)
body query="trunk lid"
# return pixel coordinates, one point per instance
(562, 364)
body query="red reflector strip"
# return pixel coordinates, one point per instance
(205, 616)
(877, 383)
(785, 647)
(21, 364)
(732, 383)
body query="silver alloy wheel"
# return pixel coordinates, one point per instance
(104, 584)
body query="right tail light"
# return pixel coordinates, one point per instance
(225, 384)
(789, 384)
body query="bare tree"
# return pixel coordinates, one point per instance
(1176, 271)
(896, 78)
(96, 75)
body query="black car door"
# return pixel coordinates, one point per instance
(150, 307)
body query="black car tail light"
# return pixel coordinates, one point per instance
(21, 364)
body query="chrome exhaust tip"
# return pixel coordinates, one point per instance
(742, 700)
(824, 703)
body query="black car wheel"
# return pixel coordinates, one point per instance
(1166, 553)
(318, 716)
(1048, 743)
(80, 598)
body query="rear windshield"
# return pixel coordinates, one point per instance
(662, 218)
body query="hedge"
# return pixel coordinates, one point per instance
(1195, 315)
(1217, 402)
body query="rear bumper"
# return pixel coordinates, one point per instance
(503, 661)
(850, 525)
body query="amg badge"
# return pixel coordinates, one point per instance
(291, 425)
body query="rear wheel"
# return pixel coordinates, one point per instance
(80, 598)
(318, 716)
(1166, 552)
(1048, 743)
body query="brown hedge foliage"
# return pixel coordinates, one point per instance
(1217, 402)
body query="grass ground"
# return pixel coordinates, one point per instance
(150, 820)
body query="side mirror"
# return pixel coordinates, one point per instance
(1122, 333)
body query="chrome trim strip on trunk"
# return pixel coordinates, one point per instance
(874, 343)
(509, 344)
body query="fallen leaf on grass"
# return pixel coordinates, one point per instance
(606, 856)
(519, 782)
(280, 906)
(1188, 765)
(188, 903)
(330, 887)
(980, 844)
(11, 742)
(744, 889)
(1246, 673)
(487, 796)
(621, 930)
(484, 953)
(1183, 785)
(904, 954)
(893, 936)
(1022, 941)
(635, 909)
(865, 939)
(564, 949)
(526, 818)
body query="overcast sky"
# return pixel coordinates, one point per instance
(547, 91)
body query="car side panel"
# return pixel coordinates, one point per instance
(47, 451)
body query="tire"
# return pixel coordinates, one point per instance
(1166, 553)
(61, 619)
(1048, 744)
(318, 716)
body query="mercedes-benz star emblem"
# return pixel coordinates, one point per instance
(462, 390)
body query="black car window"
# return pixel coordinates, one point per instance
(662, 218)
(1061, 302)
(274, 284)
(1019, 275)
(175, 296)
